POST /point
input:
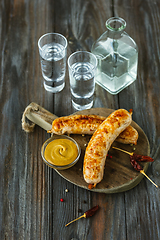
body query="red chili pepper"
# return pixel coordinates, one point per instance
(141, 158)
(136, 165)
(139, 168)
(134, 158)
(91, 211)
(137, 157)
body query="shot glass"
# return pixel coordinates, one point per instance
(53, 53)
(82, 66)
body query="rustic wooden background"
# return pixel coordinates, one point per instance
(30, 192)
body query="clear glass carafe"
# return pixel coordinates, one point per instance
(117, 55)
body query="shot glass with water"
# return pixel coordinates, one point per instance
(82, 66)
(53, 53)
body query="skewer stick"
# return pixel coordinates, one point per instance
(131, 154)
(83, 216)
(142, 171)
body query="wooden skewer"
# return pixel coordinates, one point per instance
(141, 171)
(131, 154)
(83, 216)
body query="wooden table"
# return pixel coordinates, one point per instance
(30, 191)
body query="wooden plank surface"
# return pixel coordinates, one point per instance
(30, 192)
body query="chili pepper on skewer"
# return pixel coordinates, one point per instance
(138, 167)
(134, 163)
(142, 158)
(134, 158)
(87, 214)
(137, 157)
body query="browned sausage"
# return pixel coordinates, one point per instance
(87, 124)
(100, 142)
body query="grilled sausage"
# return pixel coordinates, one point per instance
(128, 136)
(87, 124)
(76, 124)
(100, 142)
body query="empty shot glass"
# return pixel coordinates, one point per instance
(53, 53)
(82, 66)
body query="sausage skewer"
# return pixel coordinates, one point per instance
(137, 157)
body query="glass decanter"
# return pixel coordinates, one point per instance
(117, 55)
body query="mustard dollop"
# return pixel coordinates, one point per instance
(61, 152)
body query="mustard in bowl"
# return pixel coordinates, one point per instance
(60, 152)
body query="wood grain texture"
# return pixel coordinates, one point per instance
(30, 192)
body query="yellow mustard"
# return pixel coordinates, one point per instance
(61, 152)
